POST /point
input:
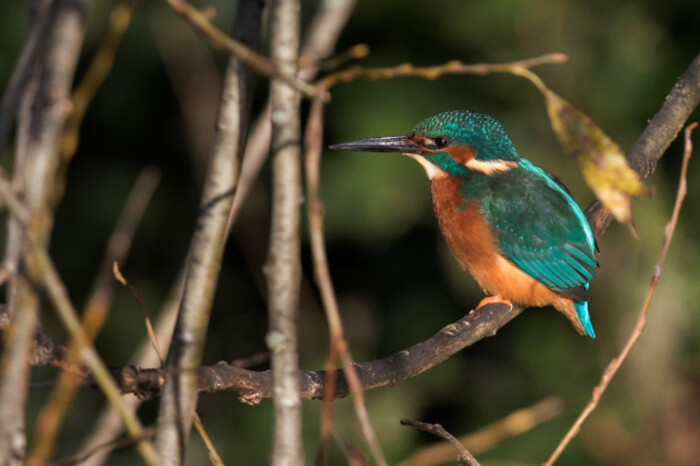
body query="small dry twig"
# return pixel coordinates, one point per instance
(638, 329)
(465, 458)
(487, 437)
(338, 345)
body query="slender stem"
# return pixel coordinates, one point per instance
(283, 268)
(465, 457)
(338, 345)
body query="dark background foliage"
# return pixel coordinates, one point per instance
(396, 282)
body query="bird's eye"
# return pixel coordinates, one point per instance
(440, 142)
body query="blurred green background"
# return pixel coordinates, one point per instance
(396, 282)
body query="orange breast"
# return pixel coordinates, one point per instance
(475, 247)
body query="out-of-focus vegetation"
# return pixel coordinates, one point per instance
(396, 282)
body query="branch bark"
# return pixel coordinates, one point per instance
(283, 268)
(206, 251)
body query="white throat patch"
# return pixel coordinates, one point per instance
(431, 170)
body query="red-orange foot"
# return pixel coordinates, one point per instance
(495, 300)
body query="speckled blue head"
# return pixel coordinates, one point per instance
(448, 140)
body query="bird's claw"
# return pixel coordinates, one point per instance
(495, 300)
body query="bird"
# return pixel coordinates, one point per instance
(513, 226)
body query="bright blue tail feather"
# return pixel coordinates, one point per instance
(583, 317)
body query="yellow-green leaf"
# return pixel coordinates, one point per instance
(603, 165)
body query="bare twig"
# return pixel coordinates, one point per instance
(220, 39)
(434, 72)
(144, 313)
(207, 247)
(638, 329)
(283, 267)
(313, 141)
(465, 458)
(489, 436)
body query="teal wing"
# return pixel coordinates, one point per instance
(541, 230)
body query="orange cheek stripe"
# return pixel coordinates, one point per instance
(461, 154)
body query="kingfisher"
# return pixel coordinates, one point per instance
(514, 227)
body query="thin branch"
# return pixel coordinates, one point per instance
(283, 267)
(313, 142)
(639, 326)
(207, 247)
(465, 458)
(219, 39)
(487, 437)
(434, 72)
(254, 386)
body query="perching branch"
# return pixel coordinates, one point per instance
(207, 247)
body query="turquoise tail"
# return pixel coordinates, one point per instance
(581, 308)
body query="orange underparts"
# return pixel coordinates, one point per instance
(474, 246)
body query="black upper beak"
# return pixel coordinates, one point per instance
(399, 144)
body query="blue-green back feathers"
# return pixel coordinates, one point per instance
(538, 227)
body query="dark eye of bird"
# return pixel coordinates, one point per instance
(440, 142)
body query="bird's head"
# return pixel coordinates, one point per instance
(456, 143)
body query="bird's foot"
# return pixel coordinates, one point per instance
(497, 299)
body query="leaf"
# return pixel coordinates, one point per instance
(603, 165)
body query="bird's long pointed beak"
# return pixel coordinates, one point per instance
(398, 144)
